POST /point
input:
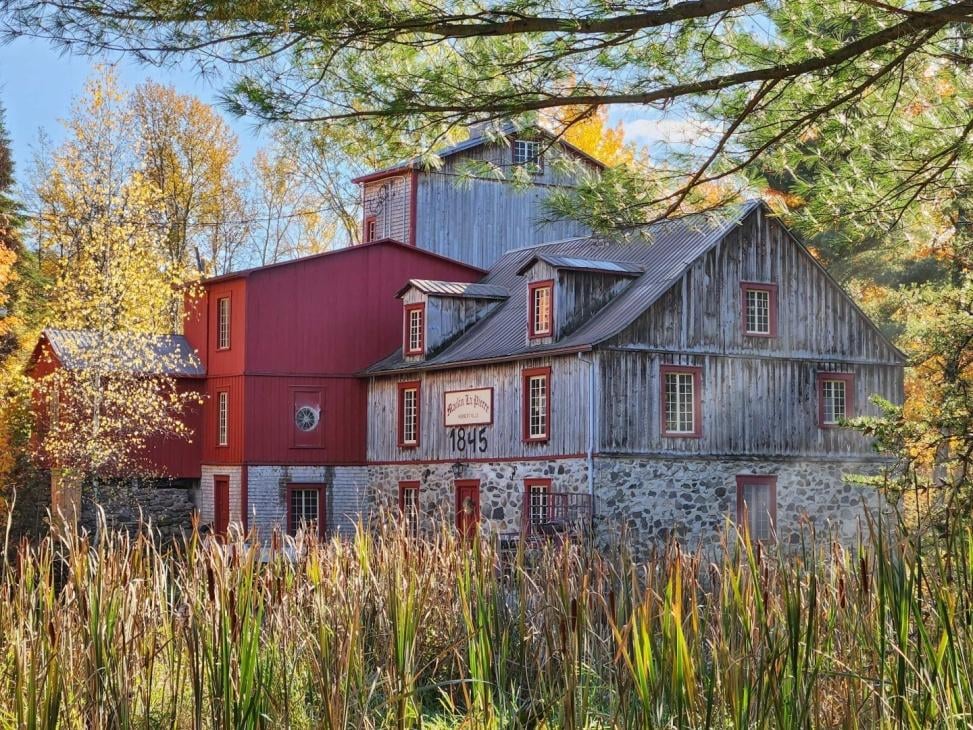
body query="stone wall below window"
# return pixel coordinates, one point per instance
(646, 499)
(695, 500)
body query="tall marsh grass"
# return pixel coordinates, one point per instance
(378, 631)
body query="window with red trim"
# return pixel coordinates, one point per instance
(537, 502)
(540, 299)
(305, 509)
(681, 401)
(409, 415)
(371, 228)
(223, 323)
(409, 507)
(222, 418)
(759, 309)
(757, 506)
(415, 329)
(537, 404)
(836, 398)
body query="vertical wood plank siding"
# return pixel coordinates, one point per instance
(580, 295)
(478, 220)
(749, 405)
(391, 211)
(569, 412)
(702, 312)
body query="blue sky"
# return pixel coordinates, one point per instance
(37, 86)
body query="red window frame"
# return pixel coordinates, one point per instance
(409, 486)
(400, 398)
(697, 373)
(406, 343)
(532, 330)
(849, 380)
(370, 228)
(222, 438)
(767, 480)
(771, 289)
(533, 483)
(526, 375)
(322, 508)
(219, 320)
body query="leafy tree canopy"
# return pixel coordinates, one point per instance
(414, 71)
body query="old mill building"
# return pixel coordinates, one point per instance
(467, 362)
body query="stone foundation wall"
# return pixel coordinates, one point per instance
(695, 499)
(646, 499)
(345, 487)
(501, 487)
(168, 509)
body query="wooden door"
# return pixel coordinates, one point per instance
(221, 505)
(467, 507)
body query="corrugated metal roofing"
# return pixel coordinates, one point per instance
(663, 250)
(73, 347)
(576, 264)
(456, 289)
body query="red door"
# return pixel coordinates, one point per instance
(221, 505)
(467, 507)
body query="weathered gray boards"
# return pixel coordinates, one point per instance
(700, 365)
(472, 214)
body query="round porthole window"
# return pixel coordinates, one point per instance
(307, 418)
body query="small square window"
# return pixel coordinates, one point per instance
(527, 152)
(540, 309)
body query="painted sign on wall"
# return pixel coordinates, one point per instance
(468, 407)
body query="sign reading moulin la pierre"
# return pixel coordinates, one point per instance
(468, 407)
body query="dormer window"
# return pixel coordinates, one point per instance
(541, 309)
(415, 329)
(527, 152)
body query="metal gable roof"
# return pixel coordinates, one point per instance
(577, 264)
(455, 289)
(663, 251)
(174, 351)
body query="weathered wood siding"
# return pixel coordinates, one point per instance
(389, 201)
(580, 294)
(478, 220)
(504, 438)
(702, 313)
(446, 317)
(750, 406)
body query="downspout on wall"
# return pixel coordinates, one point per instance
(590, 453)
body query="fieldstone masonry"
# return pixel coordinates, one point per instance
(127, 507)
(692, 499)
(501, 487)
(648, 499)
